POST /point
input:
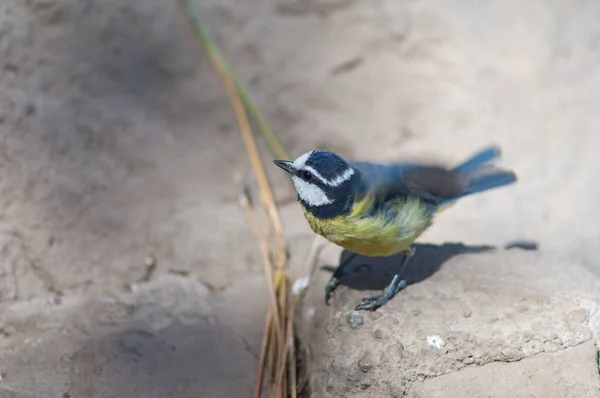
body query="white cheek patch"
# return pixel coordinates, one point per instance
(310, 193)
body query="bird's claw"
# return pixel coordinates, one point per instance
(371, 303)
(330, 287)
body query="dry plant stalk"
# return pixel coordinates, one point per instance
(223, 68)
(277, 351)
(265, 251)
(278, 287)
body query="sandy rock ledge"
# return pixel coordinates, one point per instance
(478, 322)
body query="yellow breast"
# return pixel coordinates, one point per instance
(374, 235)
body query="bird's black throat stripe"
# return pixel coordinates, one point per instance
(343, 197)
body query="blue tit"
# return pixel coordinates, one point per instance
(379, 210)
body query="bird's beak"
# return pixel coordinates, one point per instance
(286, 165)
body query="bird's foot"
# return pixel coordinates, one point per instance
(330, 287)
(371, 303)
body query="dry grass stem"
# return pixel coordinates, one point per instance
(263, 356)
(277, 351)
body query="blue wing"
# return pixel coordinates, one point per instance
(434, 185)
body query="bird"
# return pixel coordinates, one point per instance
(379, 209)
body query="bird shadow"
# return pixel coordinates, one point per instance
(523, 245)
(375, 273)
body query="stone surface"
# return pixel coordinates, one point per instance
(462, 311)
(167, 339)
(568, 373)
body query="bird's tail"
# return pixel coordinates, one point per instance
(481, 174)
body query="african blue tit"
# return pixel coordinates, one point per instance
(377, 209)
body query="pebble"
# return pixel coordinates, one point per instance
(435, 341)
(355, 319)
(365, 363)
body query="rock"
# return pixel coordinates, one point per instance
(355, 319)
(130, 345)
(365, 363)
(517, 315)
(567, 373)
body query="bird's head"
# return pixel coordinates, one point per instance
(323, 181)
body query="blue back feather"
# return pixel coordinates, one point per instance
(476, 174)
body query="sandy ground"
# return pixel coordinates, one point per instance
(117, 145)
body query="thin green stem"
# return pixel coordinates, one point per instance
(210, 46)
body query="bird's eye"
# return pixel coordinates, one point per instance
(305, 175)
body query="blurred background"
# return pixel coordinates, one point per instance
(118, 147)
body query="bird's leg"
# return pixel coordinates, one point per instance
(371, 303)
(335, 279)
